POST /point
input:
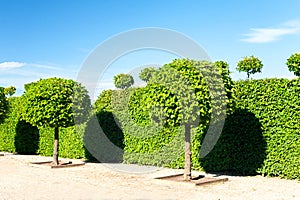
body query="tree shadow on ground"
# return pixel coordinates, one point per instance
(103, 139)
(27, 138)
(241, 147)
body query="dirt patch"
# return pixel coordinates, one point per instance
(21, 180)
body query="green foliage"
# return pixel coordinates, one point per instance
(103, 102)
(106, 119)
(240, 148)
(15, 134)
(275, 103)
(123, 81)
(154, 143)
(10, 90)
(293, 63)
(3, 105)
(153, 118)
(70, 142)
(26, 140)
(55, 102)
(18, 136)
(147, 73)
(251, 65)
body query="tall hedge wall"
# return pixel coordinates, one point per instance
(276, 104)
(260, 135)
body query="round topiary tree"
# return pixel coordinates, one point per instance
(11, 90)
(251, 65)
(187, 80)
(3, 105)
(55, 102)
(147, 73)
(123, 81)
(293, 63)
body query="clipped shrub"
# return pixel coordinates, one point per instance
(293, 63)
(147, 73)
(11, 90)
(251, 65)
(123, 81)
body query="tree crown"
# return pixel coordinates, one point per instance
(123, 81)
(56, 102)
(293, 63)
(251, 65)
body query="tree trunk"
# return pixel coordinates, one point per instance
(55, 147)
(187, 162)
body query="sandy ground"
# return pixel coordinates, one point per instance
(21, 180)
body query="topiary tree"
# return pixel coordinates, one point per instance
(123, 81)
(293, 63)
(147, 73)
(187, 80)
(55, 102)
(11, 90)
(3, 105)
(251, 65)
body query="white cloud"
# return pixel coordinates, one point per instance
(265, 35)
(18, 74)
(11, 65)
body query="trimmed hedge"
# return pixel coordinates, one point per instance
(153, 118)
(3, 105)
(18, 136)
(276, 104)
(8, 127)
(261, 134)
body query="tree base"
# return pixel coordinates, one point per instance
(60, 165)
(198, 180)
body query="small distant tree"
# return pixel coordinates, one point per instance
(56, 102)
(123, 81)
(251, 65)
(293, 63)
(11, 90)
(147, 73)
(3, 105)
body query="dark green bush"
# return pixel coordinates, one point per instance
(240, 148)
(27, 138)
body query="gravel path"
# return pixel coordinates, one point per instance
(21, 180)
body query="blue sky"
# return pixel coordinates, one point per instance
(40, 39)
